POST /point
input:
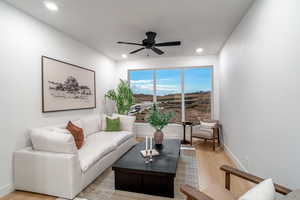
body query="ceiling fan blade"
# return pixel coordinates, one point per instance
(131, 43)
(137, 50)
(166, 44)
(158, 51)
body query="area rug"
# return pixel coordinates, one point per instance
(103, 187)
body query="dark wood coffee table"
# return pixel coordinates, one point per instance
(156, 178)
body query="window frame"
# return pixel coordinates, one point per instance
(153, 69)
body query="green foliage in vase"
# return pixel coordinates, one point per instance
(157, 119)
(122, 96)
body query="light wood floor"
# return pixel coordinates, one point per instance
(209, 163)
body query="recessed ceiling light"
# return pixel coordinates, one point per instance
(51, 6)
(199, 50)
(124, 56)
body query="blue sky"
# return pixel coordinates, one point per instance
(169, 80)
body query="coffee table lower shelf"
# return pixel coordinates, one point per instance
(144, 182)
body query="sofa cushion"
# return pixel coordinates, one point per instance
(116, 137)
(96, 146)
(52, 141)
(103, 121)
(61, 130)
(113, 125)
(91, 125)
(127, 122)
(77, 133)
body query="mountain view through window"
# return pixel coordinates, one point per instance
(168, 87)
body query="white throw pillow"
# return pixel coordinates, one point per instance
(91, 125)
(77, 123)
(52, 141)
(61, 130)
(263, 191)
(208, 124)
(127, 122)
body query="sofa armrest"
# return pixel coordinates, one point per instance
(55, 174)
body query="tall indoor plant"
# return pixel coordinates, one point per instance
(122, 96)
(158, 120)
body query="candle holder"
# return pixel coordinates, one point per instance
(150, 156)
(147, 160)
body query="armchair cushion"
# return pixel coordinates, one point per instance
(203, 132)
(263, 191)
(208, 125)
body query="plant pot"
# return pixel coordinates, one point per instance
(158, 137)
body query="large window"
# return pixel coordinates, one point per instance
(185, 91)
(141, 83)
(168, 91)
(197, 93)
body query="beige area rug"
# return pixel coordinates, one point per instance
(103, 187)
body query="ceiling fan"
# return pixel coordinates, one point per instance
(150, 43)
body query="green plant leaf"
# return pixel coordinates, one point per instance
(158, 119)
(122, 96)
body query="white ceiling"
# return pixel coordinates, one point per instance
(101, 23)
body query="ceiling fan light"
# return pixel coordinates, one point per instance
(51, 6)
(199, 50)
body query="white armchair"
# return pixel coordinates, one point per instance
(207, 130)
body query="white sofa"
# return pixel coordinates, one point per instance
(54, 166)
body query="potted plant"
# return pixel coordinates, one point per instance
(122, 96)
(158, 120)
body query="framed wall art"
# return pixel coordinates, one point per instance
(66, 86)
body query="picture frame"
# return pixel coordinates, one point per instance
(66, 86)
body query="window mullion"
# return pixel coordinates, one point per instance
(154, 87)
(182, 96)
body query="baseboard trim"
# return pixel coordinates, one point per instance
(234, 158)
(5, 190)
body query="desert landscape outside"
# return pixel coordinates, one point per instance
(166, 87)
(197, 106)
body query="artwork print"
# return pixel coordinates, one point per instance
(66, 86)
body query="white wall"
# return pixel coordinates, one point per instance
(22, 42)
(172, 62)
(260, 70)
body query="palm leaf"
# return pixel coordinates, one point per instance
(122, 96)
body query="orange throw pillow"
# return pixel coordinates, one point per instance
(77, 134)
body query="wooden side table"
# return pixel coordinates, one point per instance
(184, 124)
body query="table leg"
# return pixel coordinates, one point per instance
(184, 141)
